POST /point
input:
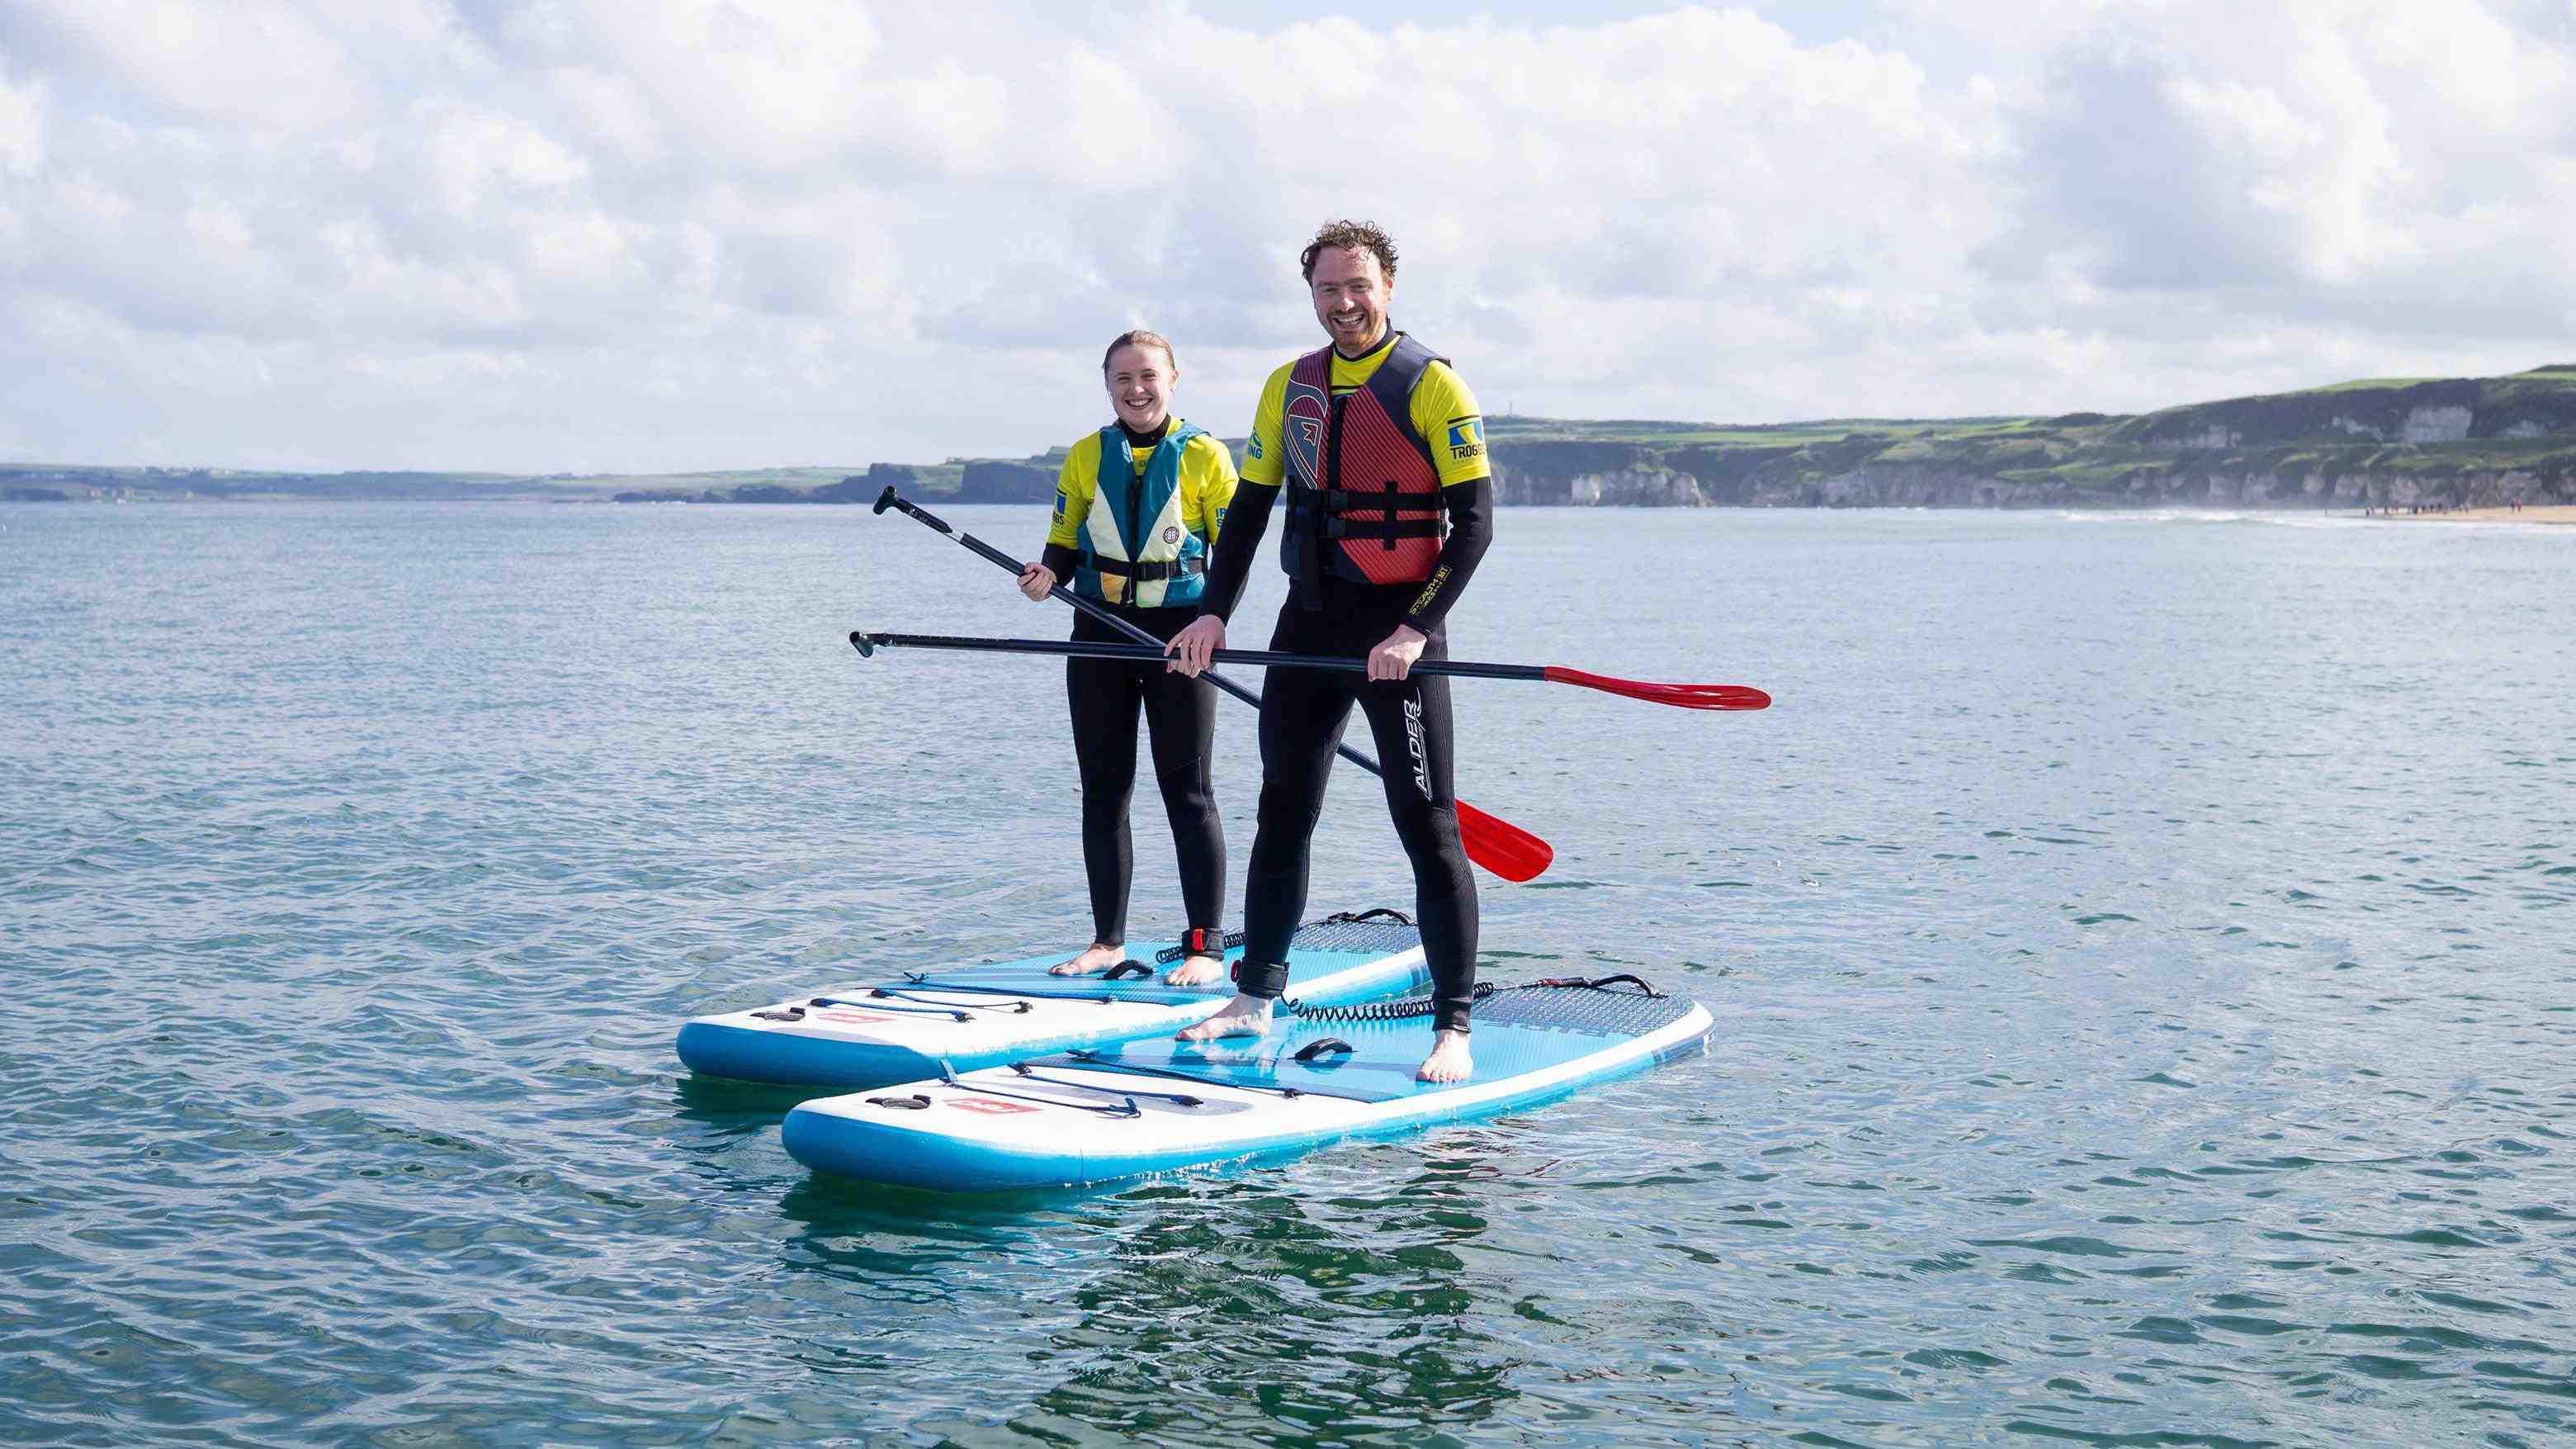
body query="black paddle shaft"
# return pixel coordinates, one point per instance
(1268, 659)
(891, 499)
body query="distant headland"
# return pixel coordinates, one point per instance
(2398, 443)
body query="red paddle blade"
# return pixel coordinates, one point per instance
(1502, 847)
(1681, 696)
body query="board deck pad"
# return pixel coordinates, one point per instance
(908, 1025)
(1515, 1033)
(1157, 1105)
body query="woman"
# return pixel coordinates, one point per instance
(1137, 508)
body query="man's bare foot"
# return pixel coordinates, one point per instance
(1449, 1060)
(1243, 1016)
(1096, 957)
(1197, 971)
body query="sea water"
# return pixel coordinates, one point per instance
(2140, 947)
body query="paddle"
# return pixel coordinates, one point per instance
(1680, 696)
(1496, 844)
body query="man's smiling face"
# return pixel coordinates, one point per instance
(1351, 298)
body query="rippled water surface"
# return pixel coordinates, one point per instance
(2141, 950)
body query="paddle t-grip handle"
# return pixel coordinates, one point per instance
(891, 499)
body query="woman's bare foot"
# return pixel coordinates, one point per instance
(1196, 971)
(1449, 1060)
(1243, 1016)
(1094, 958)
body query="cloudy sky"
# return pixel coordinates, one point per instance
(602, 235)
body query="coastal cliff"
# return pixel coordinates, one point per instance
(2460, 442)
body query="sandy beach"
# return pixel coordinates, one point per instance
(2535, 513)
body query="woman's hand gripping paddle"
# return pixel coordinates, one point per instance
(1498, 845)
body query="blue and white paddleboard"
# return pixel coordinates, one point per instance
(1159, 1105)
(956, 1019)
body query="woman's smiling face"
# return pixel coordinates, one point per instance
(1141, 379)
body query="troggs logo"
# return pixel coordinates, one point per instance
(1171, 534)
(1466, 439)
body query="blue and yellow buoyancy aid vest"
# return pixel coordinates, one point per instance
(1134, 534)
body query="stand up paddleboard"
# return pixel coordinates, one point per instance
(1159, 1105)
(957, 1019)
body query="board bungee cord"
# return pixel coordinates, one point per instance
(1406, 1008)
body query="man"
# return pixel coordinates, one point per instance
(1376, 443)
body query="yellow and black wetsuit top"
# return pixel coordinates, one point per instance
(1143, 540)
(1445, 416)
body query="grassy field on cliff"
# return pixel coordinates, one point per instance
(2421, 428)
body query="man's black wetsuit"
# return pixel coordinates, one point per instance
(1304, 711)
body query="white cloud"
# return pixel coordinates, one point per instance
(612, 109)
(22, 127)
(476, 151)
(742, 231)
(2299, 143)
(257, 63)
(771, 85)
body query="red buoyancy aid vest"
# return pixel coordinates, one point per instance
(1363, 494)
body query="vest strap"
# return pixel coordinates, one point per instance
(1146, 573)
(1389, 529)
(1344, 500)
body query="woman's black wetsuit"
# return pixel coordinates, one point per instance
(1106, 695)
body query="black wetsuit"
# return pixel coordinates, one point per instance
(1106, 695)
(1303, 713)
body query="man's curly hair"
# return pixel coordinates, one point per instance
(1357, 236)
